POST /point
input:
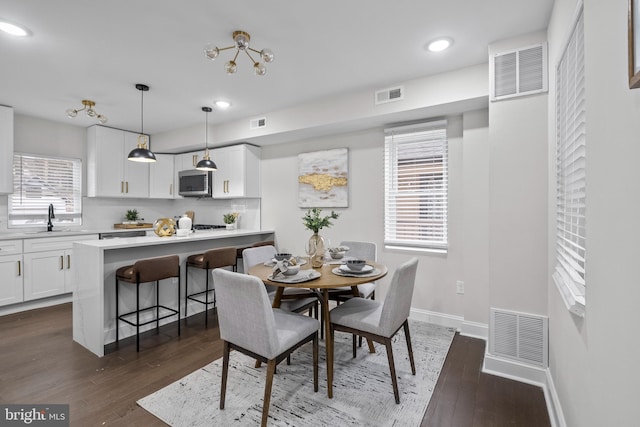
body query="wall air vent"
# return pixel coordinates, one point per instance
(518, 72)
(258, 123)
(389, 95)
(520, 336)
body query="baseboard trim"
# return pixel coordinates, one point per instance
(475, 330)
(442, 319)
(553, 403)
(32, 305)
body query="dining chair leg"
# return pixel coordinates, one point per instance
(409, 348)
(353, 345)
(392, 368)
(271, 369)
(225, 371)
(315, 362)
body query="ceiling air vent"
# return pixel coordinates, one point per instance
(518, 72)
(389, 95)
(258, 123)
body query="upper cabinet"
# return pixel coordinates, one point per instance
(238, 173)
(6, 150)
(109, 173)
(161, 177)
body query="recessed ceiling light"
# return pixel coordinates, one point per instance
(440, 44)
(223, 104)
(13, 29)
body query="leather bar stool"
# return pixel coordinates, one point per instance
(144, 271)
(214, 258)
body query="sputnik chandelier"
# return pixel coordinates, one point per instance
(88, 106)
(241, 43)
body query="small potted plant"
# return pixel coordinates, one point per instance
(230, 219)
(131, 216)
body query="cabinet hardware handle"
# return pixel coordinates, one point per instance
(127, 187)
(61, 262)
(122, 186)
(194, 160)
(68, 261)
(19, 268)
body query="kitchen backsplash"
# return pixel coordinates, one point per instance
(102, 213)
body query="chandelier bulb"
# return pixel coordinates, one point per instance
(211, 52)
(230, 67)
(102, 119)
(259, 69)
(71, 113)
(267, 55)
(91, 112)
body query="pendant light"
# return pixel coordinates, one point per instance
(142, 153)
(206, 164)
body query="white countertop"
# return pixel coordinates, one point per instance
(59, 232)
(198, 235)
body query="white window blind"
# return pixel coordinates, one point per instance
(40, 181)
(416, 186)
(569, 274)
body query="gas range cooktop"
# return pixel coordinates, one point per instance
(207, 226)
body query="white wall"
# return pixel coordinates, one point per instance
(518, 197)
(594, 361)
(363, 219)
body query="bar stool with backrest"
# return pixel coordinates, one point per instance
(209, 260)
(144, 271)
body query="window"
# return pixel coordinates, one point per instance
(569, 274)
(416, 186)
(40, 181)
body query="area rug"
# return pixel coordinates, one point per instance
(362, 391)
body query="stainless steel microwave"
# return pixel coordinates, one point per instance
(195, 183)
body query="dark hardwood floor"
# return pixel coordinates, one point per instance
(40, 363)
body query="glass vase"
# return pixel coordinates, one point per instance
(317, 241)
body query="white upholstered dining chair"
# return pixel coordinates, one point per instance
(360, 250)
(380, 321)
(306, 300)
(249, 325)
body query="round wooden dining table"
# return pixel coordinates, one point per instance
(321, 285)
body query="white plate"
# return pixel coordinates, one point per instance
(366, 269)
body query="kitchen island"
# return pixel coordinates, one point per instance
(94, 320)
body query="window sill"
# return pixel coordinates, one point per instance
(417, 249)
(574, 303)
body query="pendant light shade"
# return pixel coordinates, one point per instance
(142, 153)
(206, 164)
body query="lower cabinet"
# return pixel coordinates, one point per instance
(49, 266)
(11, 284)
(11, 272)
(45, 274)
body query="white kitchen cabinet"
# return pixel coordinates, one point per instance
(187, 161)
(6, 150)
(11, 272)
(238, 173)
(109, 173)
(161, 177)
(49, 267)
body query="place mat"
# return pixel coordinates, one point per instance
(338, 272)
(301, 276)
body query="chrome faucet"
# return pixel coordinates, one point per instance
(49, 217)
